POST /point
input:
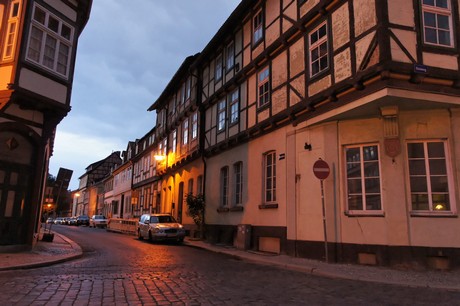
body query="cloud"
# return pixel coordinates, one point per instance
(126, 55)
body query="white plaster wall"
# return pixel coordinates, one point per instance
(42, 85)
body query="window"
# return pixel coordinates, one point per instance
(195, 125)
(428, 172)
(363, 178)
(234, 106)
(185, 132)
(190, 186)
(218, 73)
(50, 42)
(437, 22)
(188, 89)
(199, 184)
(270, 177)
(174, 141)
(224, 186)
(257, 28)
(221, 108)
(238, 172)
(264, 87)
(319, 59)
(12, 31)
(230, 57)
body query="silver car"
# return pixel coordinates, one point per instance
(160, 227)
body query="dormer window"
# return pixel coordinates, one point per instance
(50, 42)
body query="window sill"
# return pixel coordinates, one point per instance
(268, 206)
(223, 209)
(355, 213)
(237, 208)
(433, 214)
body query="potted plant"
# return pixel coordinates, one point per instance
(195, 209)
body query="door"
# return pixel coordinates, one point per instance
(180, 201)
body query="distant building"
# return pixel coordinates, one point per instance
(37, 58)
(91, 188)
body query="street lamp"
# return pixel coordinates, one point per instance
(76, 196)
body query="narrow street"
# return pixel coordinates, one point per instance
(121, 270)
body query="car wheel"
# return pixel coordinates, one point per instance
(139, 236)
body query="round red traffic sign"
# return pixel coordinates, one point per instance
(321, 169)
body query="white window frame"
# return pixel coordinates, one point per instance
(234, 106)
(51, 45)
(194, 125)
(174, 141)
(263, 87)
(432, 208)
(12, 30)
(185, 132)
(257, 27)
(230, 56)
(269, 177)
(224, 186)
(316, 44)
(363, 178)
(238, 183)
(437, 11)
(221, 115)
(218, 71)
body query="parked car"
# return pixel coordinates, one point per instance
(160, 227)
(83, 220)
(98, 221)
(59, 220)
(49, 220)
(72, 221)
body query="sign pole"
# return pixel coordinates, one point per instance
(321, 170)
(324, 222)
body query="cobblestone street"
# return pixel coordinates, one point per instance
(120, 270)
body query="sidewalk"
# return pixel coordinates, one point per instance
(43, 254)
(63, 249)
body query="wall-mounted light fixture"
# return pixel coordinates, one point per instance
(307, 146)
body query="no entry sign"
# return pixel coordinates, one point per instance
(321, 169)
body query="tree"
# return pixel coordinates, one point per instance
(195, 209)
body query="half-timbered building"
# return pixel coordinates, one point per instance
(38, 44)
(178, 137)
(369, 86)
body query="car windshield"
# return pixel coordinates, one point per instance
(162, 219)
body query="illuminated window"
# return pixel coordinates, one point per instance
(50, 42)
(264, 87)
(319, 58)
(363, 178)
(269, 177)
(437, 22)
(429, 179)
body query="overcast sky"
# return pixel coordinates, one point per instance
(126, 55)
